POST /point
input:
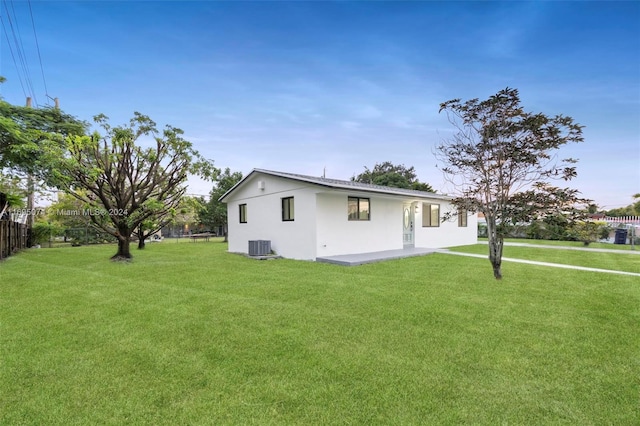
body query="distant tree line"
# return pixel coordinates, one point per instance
(392, 175)
(630, 210)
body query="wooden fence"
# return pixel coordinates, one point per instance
(13, 237)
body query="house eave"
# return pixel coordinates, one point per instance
(344, 186)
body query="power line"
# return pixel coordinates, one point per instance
(20, 69)
(46, 91)
(4, 27)
(19, 49)
(24, 56)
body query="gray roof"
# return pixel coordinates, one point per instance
(343, 184)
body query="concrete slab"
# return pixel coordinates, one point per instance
(378, 256)
(263, 257)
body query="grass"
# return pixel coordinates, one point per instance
(189, 334)
(628, 262)
(579, 244)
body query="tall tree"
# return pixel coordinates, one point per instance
(501, 161)
(389, 174)
(26, 132)
(215, 213)
(26, 135)
(123, 183)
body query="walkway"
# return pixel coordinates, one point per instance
(378, 256)
(554, 265)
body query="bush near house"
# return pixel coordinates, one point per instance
(590, 231)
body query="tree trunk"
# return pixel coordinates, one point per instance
(495, 256)
(226, 233)
(124, 253)
(496, 243)
(141, 243)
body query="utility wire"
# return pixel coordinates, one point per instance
(13, 56)
(19, 49)
(24, 55)
(21, 52)
(33, 24)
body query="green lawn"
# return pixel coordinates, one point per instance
(609, 246)
(628, 262)
(188, 334)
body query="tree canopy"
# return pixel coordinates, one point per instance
(187, 213)
(14, 191)
(389, 174)
(67, 211)
(25, 134)
(215, 212)
(501, 162)
(124, 184)
(26, 137)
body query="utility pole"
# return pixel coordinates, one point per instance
(30, 200)
(31, 190)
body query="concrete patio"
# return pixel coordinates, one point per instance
(378, 256)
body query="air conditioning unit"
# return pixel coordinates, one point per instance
(259, 247)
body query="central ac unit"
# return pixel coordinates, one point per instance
(259, 247)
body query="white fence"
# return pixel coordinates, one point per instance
(623, 220)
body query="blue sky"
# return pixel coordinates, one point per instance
(303, 86)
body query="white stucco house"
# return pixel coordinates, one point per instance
(306, 217)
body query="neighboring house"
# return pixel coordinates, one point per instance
(307, 217)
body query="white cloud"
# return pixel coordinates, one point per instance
(350, 125)
(366, 112)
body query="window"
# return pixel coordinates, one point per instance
(243, 213)
(430, 215)
(462, 218)
(287, 209)
(358, 208)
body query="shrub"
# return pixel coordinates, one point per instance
(589, 232)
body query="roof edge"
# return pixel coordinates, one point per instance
(340, 184)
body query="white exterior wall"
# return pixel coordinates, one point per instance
(336, 235)
(321, 226)
(448, 234)
(292, 239)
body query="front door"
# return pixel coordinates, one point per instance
(407, 226)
